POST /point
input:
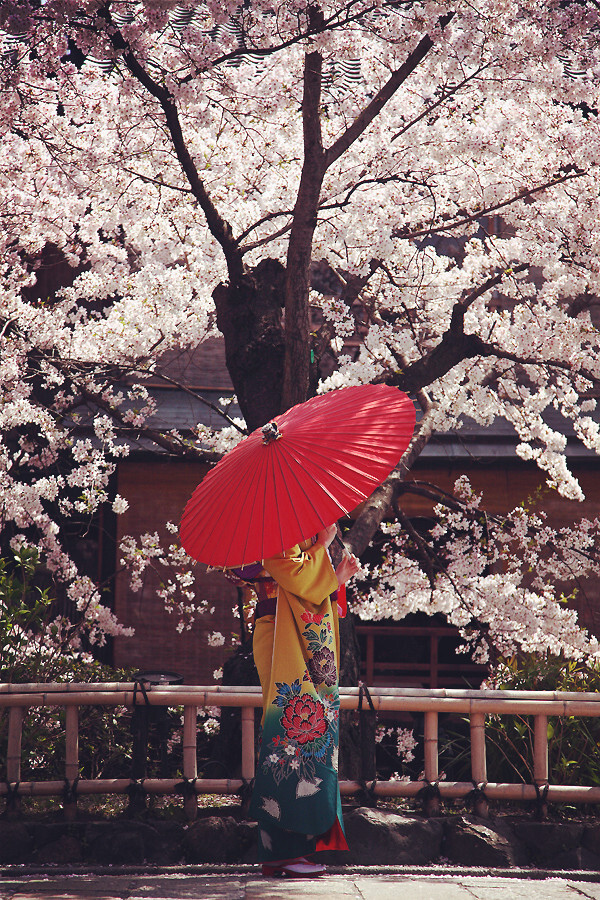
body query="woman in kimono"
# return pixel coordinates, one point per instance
(296, 798)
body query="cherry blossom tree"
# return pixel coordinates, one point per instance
(227, 168)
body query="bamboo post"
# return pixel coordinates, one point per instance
(13, 756)
(71, 761)
(190, 760)
(478, 761)
(431, 746)
(247, 743)
(540, 749)
(540, 762)
(432, 804)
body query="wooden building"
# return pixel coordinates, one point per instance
(414, 652)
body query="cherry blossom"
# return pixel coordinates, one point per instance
(496, 579)
(227, 168)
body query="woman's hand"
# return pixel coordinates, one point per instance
(326, 536)
(347, 568)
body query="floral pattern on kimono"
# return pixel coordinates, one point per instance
(296, 785)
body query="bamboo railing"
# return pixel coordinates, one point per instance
(476, 704)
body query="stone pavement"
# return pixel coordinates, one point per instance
(245, 883)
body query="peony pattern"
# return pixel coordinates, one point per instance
(307, 723)
(304, 719)
(322, 668)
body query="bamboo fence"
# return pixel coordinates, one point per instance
(474, 704)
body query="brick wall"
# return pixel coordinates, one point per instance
(157, 491)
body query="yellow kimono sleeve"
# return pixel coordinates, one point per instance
(306, 573)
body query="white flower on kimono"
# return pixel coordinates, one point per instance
(271, 806)
(273, 758)
(308, 788)
(266, 839)
(290, 750)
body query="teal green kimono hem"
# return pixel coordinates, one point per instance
(296, 798)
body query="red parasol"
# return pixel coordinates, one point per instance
(297, 474)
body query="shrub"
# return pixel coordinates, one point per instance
(573, 741)
(35, 646)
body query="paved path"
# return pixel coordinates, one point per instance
(353, 884)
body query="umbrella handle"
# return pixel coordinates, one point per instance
(340, 542)
(345, 551)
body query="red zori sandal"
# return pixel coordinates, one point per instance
(293, 868)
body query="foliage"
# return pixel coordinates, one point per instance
(573, 741)
(33, 649)
(189, 171)
(37, 645)
(37, 641)
(23, 608)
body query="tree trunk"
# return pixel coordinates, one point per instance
(353, 764)
(296, 375)
(249, 315)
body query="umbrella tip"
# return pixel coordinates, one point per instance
(271, 432)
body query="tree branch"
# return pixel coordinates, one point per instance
(372, 110)
(218, 226)
(296, 373)
(381, 500)
(454, 345)
(445, 96)
(201, 399)
(96, 399)
(315, 27)
(146, 179)
(487, 210)
(485, 349)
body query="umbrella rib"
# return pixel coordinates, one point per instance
(322, 487)
(280, 460)
(261, 511)
(254, 481)
(339, 480)
(231, 478)
(264, 468)
(263, 498)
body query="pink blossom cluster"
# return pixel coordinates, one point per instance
(173, 568)
(499, 580)
(156, 149)
(404, 737)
